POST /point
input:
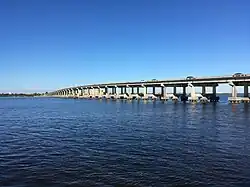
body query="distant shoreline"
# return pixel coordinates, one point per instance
(22, 95)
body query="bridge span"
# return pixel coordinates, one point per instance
(139, 89)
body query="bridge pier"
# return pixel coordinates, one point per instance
(163, 93)
(138, 90)
(246, 98)
(174, 90)
(174, 97)
(70, 93)
(193, 98)
(75, 93)
(184, 91)
(184, 97)
(153, 90)
(246, 93)
(78, 91)
(214, 91)
(203, 91)
(234, 99)
(145, 92)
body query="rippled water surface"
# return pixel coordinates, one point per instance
(67, 142)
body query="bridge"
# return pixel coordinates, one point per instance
(139, 89)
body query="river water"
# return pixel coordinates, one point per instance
(69, 142)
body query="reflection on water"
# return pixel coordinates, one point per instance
(67, 142)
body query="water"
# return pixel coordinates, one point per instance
(67, 142)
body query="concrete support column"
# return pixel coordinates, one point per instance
(246, 93)
(79, 92)
(132, 90)
(72, 92)
(203, 92)
(121, 90)
(125, 90)
(95, 91)
(106, 90)
(83, 91)
(214, 90)
(163, 91)
(184, 90)
(174, 90)
(138, 90)
(154, 90)
(234, 91)
(145, 91)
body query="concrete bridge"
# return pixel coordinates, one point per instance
(139, 89)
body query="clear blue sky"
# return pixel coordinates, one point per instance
(50, 44)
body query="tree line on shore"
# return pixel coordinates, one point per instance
(21, 94)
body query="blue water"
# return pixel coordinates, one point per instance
(67, 142)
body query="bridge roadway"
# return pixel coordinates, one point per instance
(103, 90)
